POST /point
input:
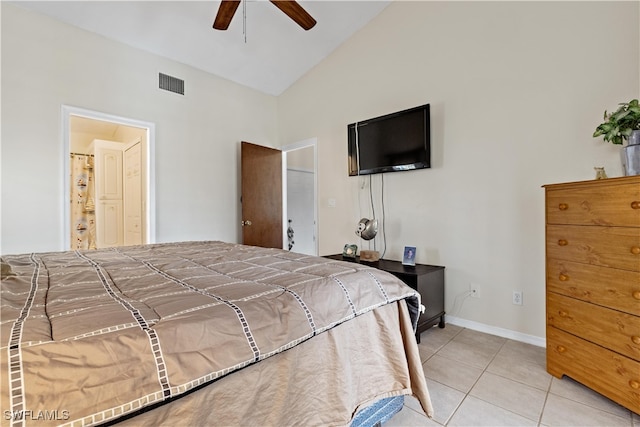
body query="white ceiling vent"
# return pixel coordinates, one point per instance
(172, 84)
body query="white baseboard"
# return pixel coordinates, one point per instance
(494, 330)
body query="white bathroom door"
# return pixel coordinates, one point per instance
(108, 186)
(133, 195)
(109, 224)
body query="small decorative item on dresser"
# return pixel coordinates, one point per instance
(600, 173)
(624, 125)
(631, 155)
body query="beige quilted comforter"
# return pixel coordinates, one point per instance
(90, 336)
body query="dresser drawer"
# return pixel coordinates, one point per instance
(608, 203)
(612, 329)
(605, 371)
(617, 247)
(608, 287)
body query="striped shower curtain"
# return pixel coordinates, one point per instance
(83, 217)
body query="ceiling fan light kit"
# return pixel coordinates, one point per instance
(290, 8)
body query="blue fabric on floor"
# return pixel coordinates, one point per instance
(378, 413)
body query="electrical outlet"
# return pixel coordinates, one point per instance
(474, 288)
(517, 297)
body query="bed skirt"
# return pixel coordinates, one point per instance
(281, 391)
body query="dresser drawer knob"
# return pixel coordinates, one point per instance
(564, 206)
(636, 295)
(562, 242)
(635, 204)
(635, 339)
(561, 349)
(563, 277)
(635, 250)
(563, 313)
(634, 384)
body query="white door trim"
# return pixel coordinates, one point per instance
(311, 142)
(150, 201)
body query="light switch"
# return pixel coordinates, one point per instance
(332, 203)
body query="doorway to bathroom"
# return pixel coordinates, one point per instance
(111, 197)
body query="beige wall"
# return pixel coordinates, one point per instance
(46, 64)
(516, 90)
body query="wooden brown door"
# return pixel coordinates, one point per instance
(261, 196)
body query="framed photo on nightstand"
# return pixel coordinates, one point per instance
(409, 257)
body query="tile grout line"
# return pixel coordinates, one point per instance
(544, 405)
(434, 353)
(484, 370)
(547, 391)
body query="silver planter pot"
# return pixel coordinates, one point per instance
(631, 155)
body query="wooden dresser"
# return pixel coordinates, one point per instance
(593, 285)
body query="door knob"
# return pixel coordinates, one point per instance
(246, 223)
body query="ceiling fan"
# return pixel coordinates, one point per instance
(291, 8)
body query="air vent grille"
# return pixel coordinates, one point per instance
(172, 84)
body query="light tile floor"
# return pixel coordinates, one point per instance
(477, 379)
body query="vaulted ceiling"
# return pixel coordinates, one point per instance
(262, 49)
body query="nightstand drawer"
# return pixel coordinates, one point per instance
(608, 287)
(613, 329)
(617, 247)
(597, 204)
(611, 374)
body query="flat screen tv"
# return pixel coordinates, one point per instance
(390, 143)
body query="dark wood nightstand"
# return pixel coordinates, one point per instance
(428, 280)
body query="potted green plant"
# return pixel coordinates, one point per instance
(624, 125)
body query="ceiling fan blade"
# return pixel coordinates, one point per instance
(225, 14)
(294, 11)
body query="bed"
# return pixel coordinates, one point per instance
(204, 333)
